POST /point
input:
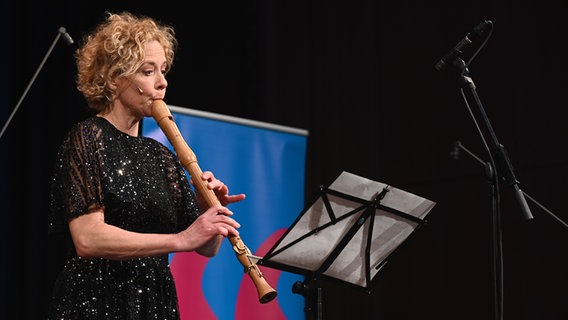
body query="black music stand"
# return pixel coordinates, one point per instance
(349, 232)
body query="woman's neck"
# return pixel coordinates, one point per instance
(122, 123)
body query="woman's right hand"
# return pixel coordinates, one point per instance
(205, 234)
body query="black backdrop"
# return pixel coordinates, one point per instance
(360, 76)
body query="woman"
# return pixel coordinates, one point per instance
(124, 200)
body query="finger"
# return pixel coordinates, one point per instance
(228, 221)
(224, 211)
(236, 197)
(218, 186)
(220, 211)
(207, 176)
(215, 184)
(229, 231)
(226, 230)
(232, 222)
(226, 200)
(232, 232)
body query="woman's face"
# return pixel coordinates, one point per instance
(148, 83)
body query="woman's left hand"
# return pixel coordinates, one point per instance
(219, 188)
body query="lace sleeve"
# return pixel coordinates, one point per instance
(76, 183)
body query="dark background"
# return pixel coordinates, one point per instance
(359, 75)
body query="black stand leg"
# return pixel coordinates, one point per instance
(308, 292)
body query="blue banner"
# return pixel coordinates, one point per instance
(267, 163)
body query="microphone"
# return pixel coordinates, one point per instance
(139, 90)
(65, 35)
(466, 41)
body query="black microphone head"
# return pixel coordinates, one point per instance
(452, 56)
(479, 30)
(65, 35)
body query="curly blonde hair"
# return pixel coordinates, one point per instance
(116, 49)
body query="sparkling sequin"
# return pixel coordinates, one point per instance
(143, 188)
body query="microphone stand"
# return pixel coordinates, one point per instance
(68, 39)
(498, 168)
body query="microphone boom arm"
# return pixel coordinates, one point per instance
(69, 40)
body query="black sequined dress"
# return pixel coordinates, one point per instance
(143, 188)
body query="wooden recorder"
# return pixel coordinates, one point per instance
(162, 115)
